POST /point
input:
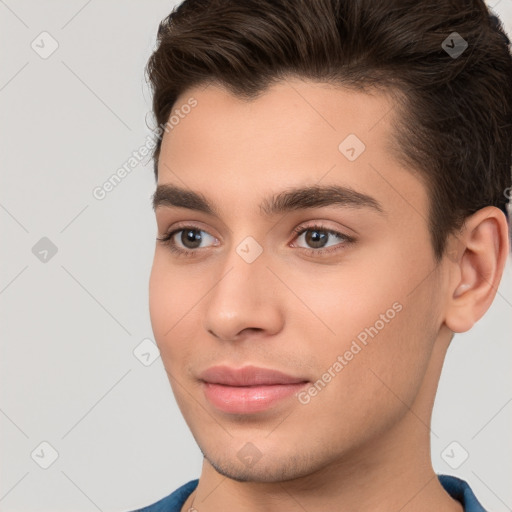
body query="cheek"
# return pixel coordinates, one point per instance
(175, 311)
(380, 322)
(160, 302)
(369, 370)
(168, 299)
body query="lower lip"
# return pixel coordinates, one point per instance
(248, 399)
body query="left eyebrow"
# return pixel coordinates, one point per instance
(298, 198)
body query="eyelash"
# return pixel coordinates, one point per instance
(345, 240)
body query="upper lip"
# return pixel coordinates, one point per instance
(247, 376)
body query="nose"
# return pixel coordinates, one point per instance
(245, 300)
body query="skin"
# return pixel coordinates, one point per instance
(363, 442)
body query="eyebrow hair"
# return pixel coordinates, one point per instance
(296, 198)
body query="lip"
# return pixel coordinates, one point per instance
(247, 376)
(249, 389)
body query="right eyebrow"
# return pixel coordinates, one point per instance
(172, 196)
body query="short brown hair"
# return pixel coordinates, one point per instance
(454, 114)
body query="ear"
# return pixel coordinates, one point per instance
(476, 267)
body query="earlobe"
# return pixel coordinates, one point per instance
(460, 316)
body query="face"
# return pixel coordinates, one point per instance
(335, 290)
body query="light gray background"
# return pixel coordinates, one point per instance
(69, 376)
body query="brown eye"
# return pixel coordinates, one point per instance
(317, 237)
(185, 241)
(191, 238)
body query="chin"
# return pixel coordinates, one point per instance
(270, 468)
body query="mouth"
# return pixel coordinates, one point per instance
(248, 389)
(248, 399)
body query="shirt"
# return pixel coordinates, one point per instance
(458, 489)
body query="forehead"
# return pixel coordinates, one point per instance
(295, 133)
(288, 109)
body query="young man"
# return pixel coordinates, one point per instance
(331, 200)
